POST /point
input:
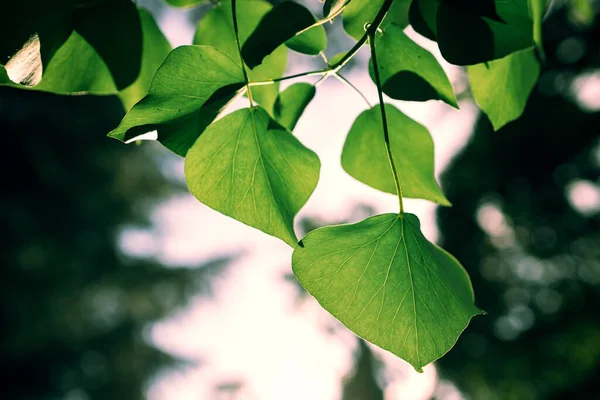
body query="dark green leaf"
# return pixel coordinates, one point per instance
(388, 284)
(408, 71)
(361, 12)
(279, 25)
(365, 156)
(155, 50)
(248, 168)
(216, 29)
(291, 103)
(187, 81)
(423, 17)
(502, 87)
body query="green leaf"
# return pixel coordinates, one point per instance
(502, 87)
(423, 17)
(361, 12)
(154, 51)
(408, 71)
(466, 38)
(334, 7)
(292, 102)
(285, 21)
(388, 284)
(216, 30)
(365, 157)
(103, 35)
(191, 79)
(538, 9)
(248, 167)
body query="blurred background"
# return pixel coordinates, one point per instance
(117, 284)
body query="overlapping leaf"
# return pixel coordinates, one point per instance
(408, 71)
(250, 168)
(472, 32)
(502, 87)
(365, 156)
(290, 23)
(108, 30)
(291, 103)
(388, 284)
(186, 93)
(358, 13)
(334, 7)
(216, 29)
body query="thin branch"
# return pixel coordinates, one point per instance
(239, 47)
(386, 134)
(342, 79)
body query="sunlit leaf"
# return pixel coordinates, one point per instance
(502, 87)
(192, 77)
(250, 168)
(388, 284)
(154, 51)
(216, 29)
(292, 102)
(365, 157)
(408, 71)
(361, 12)
(282, 23)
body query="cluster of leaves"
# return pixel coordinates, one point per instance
(380, 277)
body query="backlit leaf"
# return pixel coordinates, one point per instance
(365, 158)
(361, 12)
(192, 77)
(216, 29)
(282, 23)
(502, 87)
(388, 284)
(248, 167)
(291, 103)
(408, 71)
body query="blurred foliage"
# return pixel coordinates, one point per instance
(73, 305)
(534, 259)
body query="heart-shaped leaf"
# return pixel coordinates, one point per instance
(250, 168)
(502, 87)
(408, 71)
(192, 77)
(365, 156)
(388, 284)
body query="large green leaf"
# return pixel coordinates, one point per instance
(408, 71)
(474, 31)
(109, 28)
(216, 29)
(361, 12)
(388, 284)
(154, 51)
(288, 23)
(191, 79)
(250, 168)
(292, 102)
(365, 157)
(502, 87)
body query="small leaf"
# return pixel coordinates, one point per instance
(291, 103)
(408, 71)
(365, 157)
(388, 284)
(361, 12)
(185, 3)
(189, 79)
(216, 29)
(502, 87)
(280, 24)
(249, 168)
(333, 7)
(154, 51)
